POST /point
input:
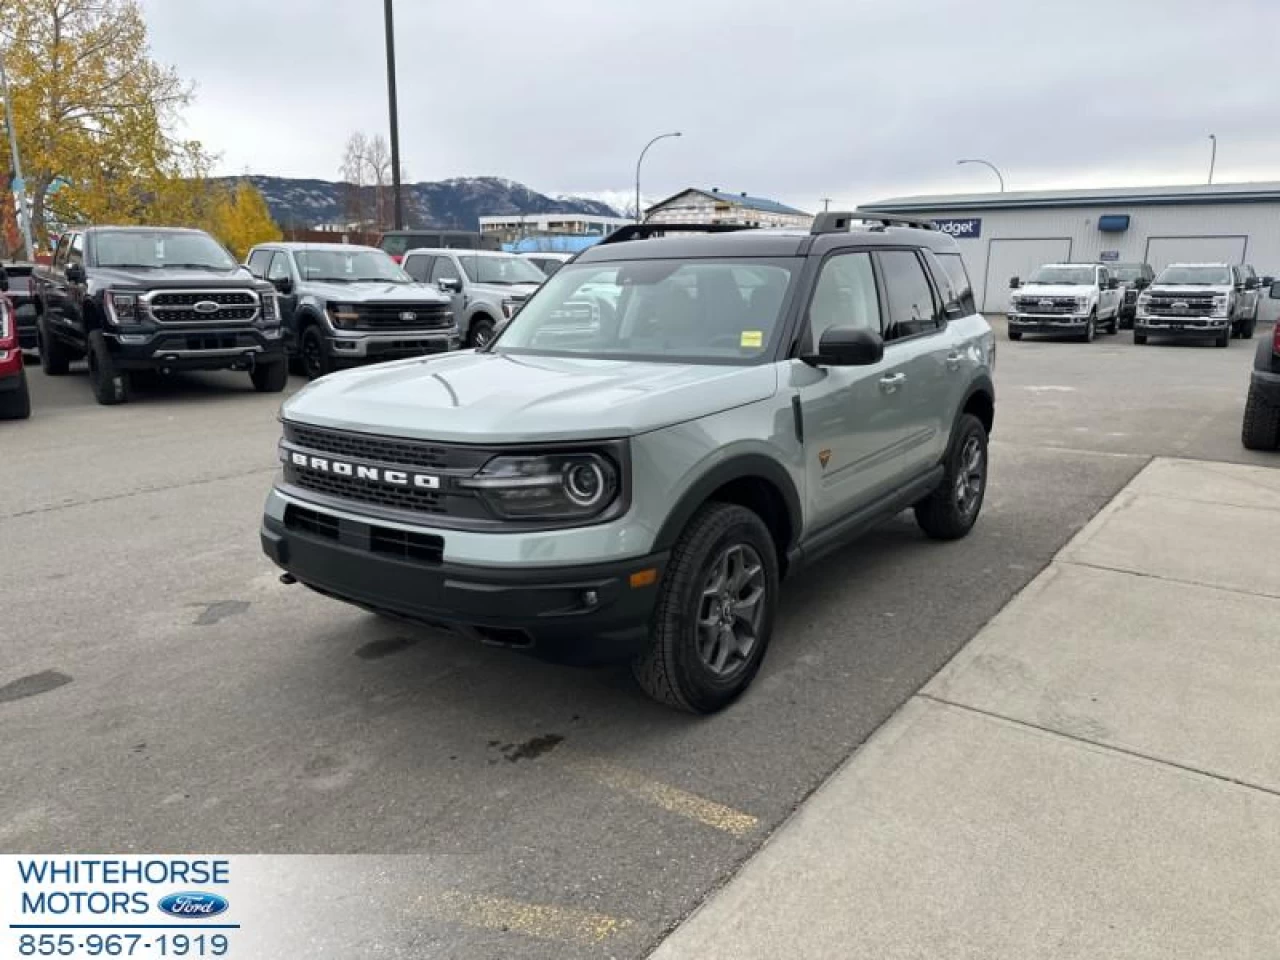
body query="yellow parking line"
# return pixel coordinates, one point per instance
(669, 798)
(541, 921)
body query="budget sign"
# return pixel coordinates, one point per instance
(962, 229)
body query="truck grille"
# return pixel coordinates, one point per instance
(215, 306)
(365, 491)
(360, 446)
(403, 316)
(1171, 305)
(1046, 305)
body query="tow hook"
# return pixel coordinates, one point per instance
(288, 579)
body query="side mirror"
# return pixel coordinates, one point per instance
(1113, 284)
(1251, 283)
(283, 285)
(4, 279)
(1141, 283)
(449, 284)
(1014, 283)
(847, 347)
(1268, 281)
(75, 273)
(1275, 290)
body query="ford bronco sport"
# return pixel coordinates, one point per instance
(636, 487)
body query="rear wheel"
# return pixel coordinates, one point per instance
(54, 358)
(1261, 429)
(110, 384)
(269, 377)
(313, 353)
(952, 509)
(714, 614)
(16, 404)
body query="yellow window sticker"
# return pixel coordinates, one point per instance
(752, 338)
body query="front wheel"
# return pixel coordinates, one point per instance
(1115, 322)
(951, 510)
(1015, 334)
(714, 614)
(1223, 339)
(480, 333)
(1091, 328)
(313, 353)
(269, 377)
(54, 359)
(16, 404)
(111, 385)
(1261, 429)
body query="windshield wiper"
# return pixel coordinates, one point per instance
(377, 280)
(198, 266)
(328, 280)
(128, 266)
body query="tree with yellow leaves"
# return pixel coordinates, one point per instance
(241, 219)
(94, 113)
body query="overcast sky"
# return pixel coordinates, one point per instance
(793, 99)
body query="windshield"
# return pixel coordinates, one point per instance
(1072, 276)
(158, 249)
(659, 310)
(503, 271)
(1208, 275)
(1126, 272)
(349, 266)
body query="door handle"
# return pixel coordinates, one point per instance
(892, 382)
(953, 360)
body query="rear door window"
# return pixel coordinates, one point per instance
(912, 307)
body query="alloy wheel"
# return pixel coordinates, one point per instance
(970, 477)
(731, 609)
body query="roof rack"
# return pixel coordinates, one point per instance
(641, 231)
(839, 221)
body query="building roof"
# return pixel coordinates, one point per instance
(763, 204)
(1119, 197)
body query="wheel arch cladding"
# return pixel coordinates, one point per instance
(980, 401)
(753, 481)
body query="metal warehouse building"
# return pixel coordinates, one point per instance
(1003, 235)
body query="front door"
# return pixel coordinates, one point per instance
(279, 270)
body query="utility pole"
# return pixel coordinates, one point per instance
(395, 119)
(1213, 156)
(826, 204)
(19, 186)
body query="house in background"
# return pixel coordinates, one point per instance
(515, 227)
(695, 205)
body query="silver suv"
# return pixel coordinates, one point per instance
(487, 287)
(636, 487)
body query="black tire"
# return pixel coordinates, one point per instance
(270, 377)
(1091, 329)
(1115, 323)
(951, 510)
(110, 384)
(1261, 429)
(313, 353)
(54, 359)
(16, 404)
(693, 618)
(480, 332)
(1223, 339)
(1015, 334)
(1140, 339)
(1250, 326)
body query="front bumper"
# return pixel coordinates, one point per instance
(570, 614)
(1181, 326)
(359, 347)
(1045, 323)
(188, 348)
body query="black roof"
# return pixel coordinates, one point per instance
(763, 243)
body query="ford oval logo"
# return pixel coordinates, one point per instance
(408, 316)
(205, 306)
(194, 906)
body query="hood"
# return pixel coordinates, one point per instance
(470, 397)
(1052, 290)
(376, 292)
(503, 292)
(1188, 290)
(165, 279)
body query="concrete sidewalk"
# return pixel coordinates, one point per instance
(1097, 774)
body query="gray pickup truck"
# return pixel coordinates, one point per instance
(487, 287)
(344, 305)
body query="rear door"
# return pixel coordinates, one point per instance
(1018, 258)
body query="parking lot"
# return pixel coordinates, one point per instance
(160, 687)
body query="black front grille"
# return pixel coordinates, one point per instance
(311, 521)
(1198, 306)
(407, 545)
(366, 491)
(179, 306)
(1047, 305)
(359, 446)
(403, 316)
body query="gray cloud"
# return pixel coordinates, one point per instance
(850, 99)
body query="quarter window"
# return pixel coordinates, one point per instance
(844, 297)
(912, 308)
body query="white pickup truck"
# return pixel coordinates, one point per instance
(1198, 301)
(1065, 298)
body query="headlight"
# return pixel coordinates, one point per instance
(1082, 303)
(270, 307)
(550, 487)
(122, 307)
(510, 308)
(343, 315)
(1221, 306)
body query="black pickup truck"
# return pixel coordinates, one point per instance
(149, 298)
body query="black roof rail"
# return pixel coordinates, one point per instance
(641, 231)
(839, 221)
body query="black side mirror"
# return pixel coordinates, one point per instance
(1275, 290)
(1014, 283)
(1251, 283)
(283, 285)
(4, 279)
(449, 284)
(1113, 284)
(75, 273)
(847, 347)
(1267, 281)
(1141, 283)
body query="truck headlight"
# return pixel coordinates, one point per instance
(1082, 303)
(511, 308)
(1144, 301)
(568, 486)
(122, 307)
(1221, 306)
(343, 315)
(270, 308)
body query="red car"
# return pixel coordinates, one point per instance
(15, 402)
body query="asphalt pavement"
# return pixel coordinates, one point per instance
(161, 691)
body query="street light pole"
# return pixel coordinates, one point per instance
(1213, 156)
(986, 163)
(395, 119)
(661, 136)
(19, 188)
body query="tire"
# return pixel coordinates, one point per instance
(313, 353)
(54, 359)
(110, 384)
(1249, 328)
(1114, 329)
(1261, 430)
(270, 377)
(1224, 339)
(687, 663)
(480, 332)
(16, 404)
(1140, 339)
(950, 512)
(1091, 330)
(1015, 334)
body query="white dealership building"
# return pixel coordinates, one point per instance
(1003, 235)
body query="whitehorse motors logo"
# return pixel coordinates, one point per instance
(359, 471)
